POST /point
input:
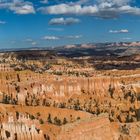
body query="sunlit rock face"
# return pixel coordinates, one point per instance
(21, 128)
(116, 95)
(64, 87)
(97, 128)
(5, 67)
(19, 131)
(25, 129)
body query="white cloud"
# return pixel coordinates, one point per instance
(119, 31)
(18, 6)
(114, 8)
(113, 2)
(22, 9)
(63, 21)
(69, 9)
(100, 8)
(130, 10)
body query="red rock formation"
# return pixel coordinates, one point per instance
(96, 128)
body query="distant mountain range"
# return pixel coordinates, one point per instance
(97, 45)
(100, 49)
(121, 49)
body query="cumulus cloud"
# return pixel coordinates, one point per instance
(63, 21)
(69, 9)
(114, 8)
(113, 2)
(22, 9)
(18, 6)
(119, 31)
(101, 8)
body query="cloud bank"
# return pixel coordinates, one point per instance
(101, 8)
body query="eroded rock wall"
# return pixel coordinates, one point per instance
(96, 128)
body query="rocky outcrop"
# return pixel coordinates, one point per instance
(19, 131)
(5, 67)
(21, 128)
(118, 96)
(96, 128)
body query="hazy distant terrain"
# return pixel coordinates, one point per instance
(101, 49)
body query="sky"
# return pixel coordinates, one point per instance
(49, 23)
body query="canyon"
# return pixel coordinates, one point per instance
(48, 95)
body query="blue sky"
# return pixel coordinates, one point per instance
(45, 23)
